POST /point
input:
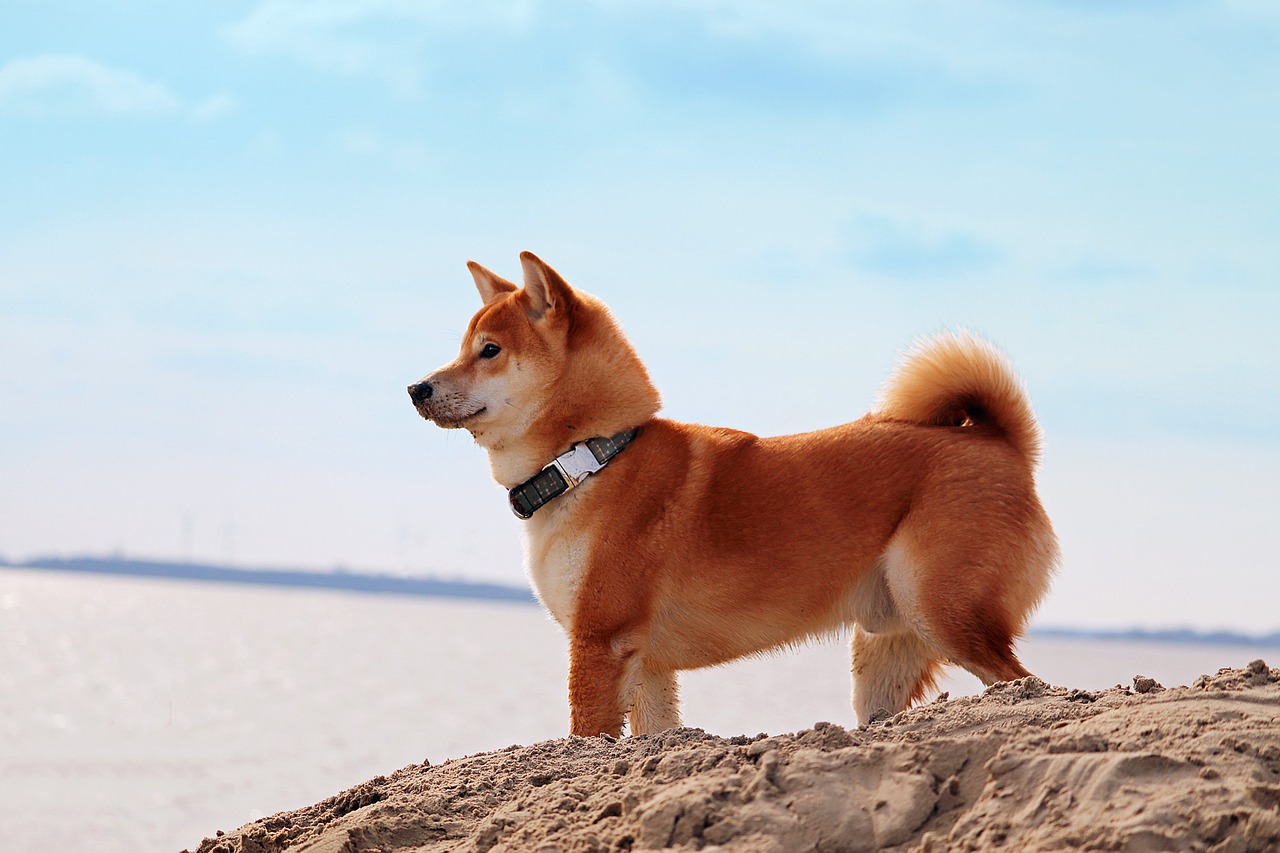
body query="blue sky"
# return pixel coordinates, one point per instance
(232, 233)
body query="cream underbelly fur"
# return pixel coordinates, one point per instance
(556, 556)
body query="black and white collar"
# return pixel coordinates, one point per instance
(566, 471)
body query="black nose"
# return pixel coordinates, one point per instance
(420, 392)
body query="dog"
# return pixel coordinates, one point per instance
(661, 546)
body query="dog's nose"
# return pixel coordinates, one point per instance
(419, 392)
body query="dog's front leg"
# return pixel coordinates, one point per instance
(597, 666)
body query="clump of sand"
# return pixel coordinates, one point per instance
(1025, 766)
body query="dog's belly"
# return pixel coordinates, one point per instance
(692, 639)
(692, 630)
(689, 635)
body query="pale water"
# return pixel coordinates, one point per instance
(140, 715)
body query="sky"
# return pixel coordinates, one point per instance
(232, 233)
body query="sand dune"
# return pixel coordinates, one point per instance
(1025, 766)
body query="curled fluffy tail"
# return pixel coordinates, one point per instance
(958, 379)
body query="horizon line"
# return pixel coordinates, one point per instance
(343, 579)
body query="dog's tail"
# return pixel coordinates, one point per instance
(958, 379)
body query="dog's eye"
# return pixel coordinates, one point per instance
(490, 350)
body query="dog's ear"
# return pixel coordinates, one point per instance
(546, 292)
(490, 285)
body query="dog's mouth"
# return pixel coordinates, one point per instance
(450, 420)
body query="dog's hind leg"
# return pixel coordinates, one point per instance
(655, 702)
(986, 649)
(971, 599)
(890, 671)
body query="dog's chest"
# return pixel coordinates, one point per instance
(556, 557)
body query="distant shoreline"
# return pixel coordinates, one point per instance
(299, 578)
(438, 588)
(1168, 635)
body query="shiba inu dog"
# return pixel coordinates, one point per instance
(661, 546)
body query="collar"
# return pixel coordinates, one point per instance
(566, 471)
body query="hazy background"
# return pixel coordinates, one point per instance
(232, 233)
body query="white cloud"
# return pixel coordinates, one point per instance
(367, 38)
(70, 84)
(306, 32)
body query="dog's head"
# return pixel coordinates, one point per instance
(541, 361)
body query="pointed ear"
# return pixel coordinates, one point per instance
(547, 292)
(490, 285)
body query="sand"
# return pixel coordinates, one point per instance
(1024, 766)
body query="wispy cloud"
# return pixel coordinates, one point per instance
(64, 83)
(778, 76)
(675, 55)
(71, 84)
(314, 35)
(366, 38)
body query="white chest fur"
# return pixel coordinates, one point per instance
(555, 554)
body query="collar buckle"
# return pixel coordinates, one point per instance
(566, 472)
(578, 464)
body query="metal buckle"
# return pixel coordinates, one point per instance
(576, 465)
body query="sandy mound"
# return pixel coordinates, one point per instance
(1025, 766)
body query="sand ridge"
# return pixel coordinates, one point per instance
(1024, 766)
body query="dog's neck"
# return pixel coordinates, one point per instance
(513, 459)
(514, 462)
(573, 414)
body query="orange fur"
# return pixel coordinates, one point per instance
(918, 523)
